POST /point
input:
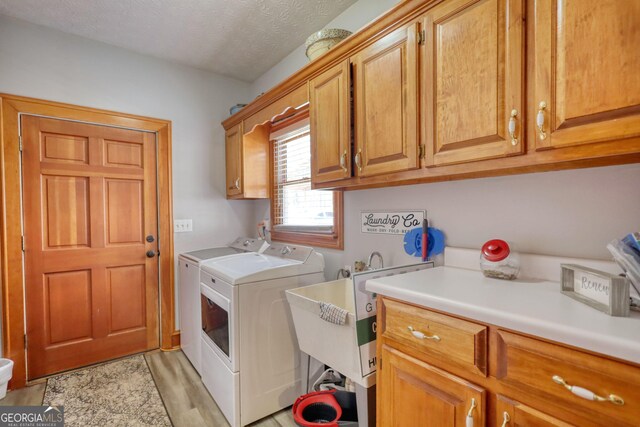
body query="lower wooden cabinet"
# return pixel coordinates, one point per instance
(529, 381)
(548, 370)
(414, 393)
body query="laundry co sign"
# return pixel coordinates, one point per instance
(390, 222)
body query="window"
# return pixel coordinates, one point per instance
(298, 213)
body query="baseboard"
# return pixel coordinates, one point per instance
(175, 339)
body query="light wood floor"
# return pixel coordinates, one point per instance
(27, 396)
(187, 401)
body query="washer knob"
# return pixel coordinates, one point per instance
(286, 250)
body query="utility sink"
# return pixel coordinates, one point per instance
(350, 348)
(331, 344)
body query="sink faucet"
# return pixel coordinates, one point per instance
(375, 253)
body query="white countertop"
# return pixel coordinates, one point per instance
(532, 307)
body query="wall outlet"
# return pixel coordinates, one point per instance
(182, 225)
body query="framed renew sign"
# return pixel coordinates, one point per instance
(603, 291)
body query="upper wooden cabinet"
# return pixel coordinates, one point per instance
(233, 154)
(586, 71)
(413, 393)
(441, 84)
(330, 122)
(386, 104)
(472, 80)
(247, 162)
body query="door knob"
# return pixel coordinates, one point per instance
(151, 254)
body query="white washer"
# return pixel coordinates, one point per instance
(189, 290)
(250, 356)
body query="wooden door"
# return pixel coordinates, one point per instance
(414, 393)
(586, 63)
(515, 414)
(472, 80)
(330, 122)
(386, 104)
(89, 197)
(233, 153)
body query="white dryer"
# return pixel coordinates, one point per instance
(189, 290)
(250, 355)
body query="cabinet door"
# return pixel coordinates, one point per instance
(233, 154)
(330, 112)
(511, 414)
(385, 104)
(472, 80)
(413, 393)
(586, 71)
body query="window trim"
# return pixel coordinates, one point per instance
(334, 240)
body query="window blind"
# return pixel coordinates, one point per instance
(296, 206)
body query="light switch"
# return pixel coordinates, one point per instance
(182, 225)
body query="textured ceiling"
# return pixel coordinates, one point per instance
(237, 38)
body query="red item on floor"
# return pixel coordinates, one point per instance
(317, 409)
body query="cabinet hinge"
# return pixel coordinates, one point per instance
(380, 363)
(22, 242)
(421, 151)
(20, 143)
(422, 36)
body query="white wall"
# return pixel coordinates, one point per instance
(47, 64)
(568, 213)
(355, 17)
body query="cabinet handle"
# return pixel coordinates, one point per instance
(237, 184)
(587, 394)
(505, 419)
(422, 336)
(469, 420)
(540, 121)
(358, 160)
(343, 161)
(512, 127)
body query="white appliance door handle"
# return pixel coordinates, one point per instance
(215, 297)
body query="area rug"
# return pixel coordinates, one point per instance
(119, 393)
